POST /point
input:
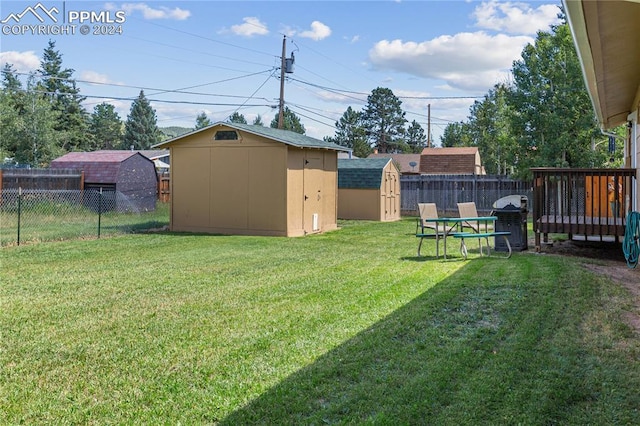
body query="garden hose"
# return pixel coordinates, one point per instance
(631, 242)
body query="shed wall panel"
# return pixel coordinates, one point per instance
(295, 191)
(229, 177)
(190, 189)
(361, 204)
(267, 181)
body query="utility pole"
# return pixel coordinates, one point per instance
(428, 125)
(282, 65)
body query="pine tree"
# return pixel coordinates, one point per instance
(60, 89)
(202, 121)
(384, 121)
(141, 129)
(291, 122)
(106, 127)
(236, 117)
(351, 134)
(416, 138)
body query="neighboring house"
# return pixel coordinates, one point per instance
(231, 178)
(160, 158)
(607, 39)
(451, 161)
(126, 172)
(348, 154)
(408, 164)
(368, 189)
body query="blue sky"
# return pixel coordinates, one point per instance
(221, 57)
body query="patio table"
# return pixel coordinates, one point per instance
(448, 226)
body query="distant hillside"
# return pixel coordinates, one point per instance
(174, 131)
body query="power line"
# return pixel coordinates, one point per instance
(182, 49)
(206, 38)
(158, 90)
(119, 98)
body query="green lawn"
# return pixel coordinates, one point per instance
(341, 328)
(63, 221)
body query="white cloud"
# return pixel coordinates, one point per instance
(515, 18)
(252, 26)
(318, 31)
(150, 13)
(22, 61)
(95, 77)
(468, 61)
(340, 98)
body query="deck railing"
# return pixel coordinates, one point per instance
(589, 202)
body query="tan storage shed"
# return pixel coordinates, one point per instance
(368, 189)
(240, 179)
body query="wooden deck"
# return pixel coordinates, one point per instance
(578, 202)
(581, 225)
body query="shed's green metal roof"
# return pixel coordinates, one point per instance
(361, 173)
(284, 136)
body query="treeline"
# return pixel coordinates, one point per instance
(45, 118)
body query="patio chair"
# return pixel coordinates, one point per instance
(430, 211)
(469, 210)
(437, 230)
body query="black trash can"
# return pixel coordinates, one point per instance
(511, 218)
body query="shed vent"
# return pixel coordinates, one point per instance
(314, 222)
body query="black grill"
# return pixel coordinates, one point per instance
(513, 219)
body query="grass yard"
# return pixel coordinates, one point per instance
(341, 328)
(42, 222)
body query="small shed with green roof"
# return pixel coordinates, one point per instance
(231, 178)
(368, 189)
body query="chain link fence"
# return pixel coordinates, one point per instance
(28, 216)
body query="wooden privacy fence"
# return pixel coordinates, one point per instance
(448, 190)
(43, 179)
(61, 179)
(164, 193)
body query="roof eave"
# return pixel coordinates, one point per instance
(578, 27)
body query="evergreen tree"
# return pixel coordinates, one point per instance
(141, 129)
(416, 138)
(384, 121)
(106, 127)
(351, 134)
(10, 81)
(202, 121)
(236, 117)
(60, 89)
(291, 122)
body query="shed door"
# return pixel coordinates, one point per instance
(312, 177)
(389, 196)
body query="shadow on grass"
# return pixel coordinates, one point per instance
(459, 354)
